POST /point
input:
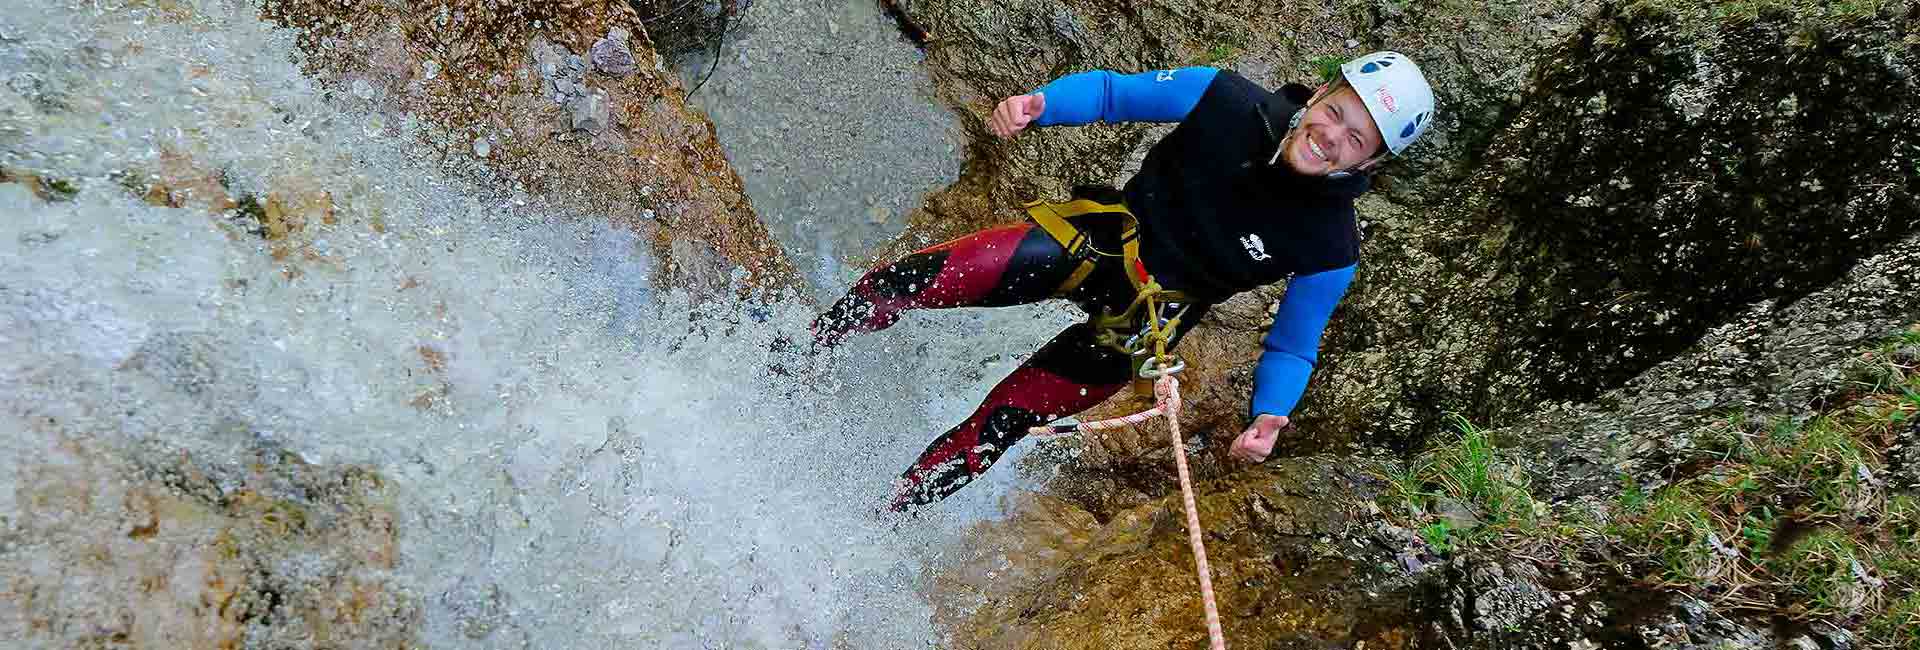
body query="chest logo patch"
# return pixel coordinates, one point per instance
(1255, 248)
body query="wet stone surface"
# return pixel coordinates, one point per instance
(828, 116)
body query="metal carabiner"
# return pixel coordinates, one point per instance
(1133, 342)
(1154, 371)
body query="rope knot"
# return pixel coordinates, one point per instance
(1166, 393)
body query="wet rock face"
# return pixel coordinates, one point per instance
(679, 25)
(611, 55)
(143, 548)
(1664, 171)
(1769, 359)
(1301, 559)
(1661, 180)
(1477, 60)
(1682, 213)
(567, 103)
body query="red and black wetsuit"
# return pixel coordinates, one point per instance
(1010, 265)
(1216, 218)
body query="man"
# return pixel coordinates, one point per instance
(1251, 188)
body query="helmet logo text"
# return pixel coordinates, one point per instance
(1386, 99)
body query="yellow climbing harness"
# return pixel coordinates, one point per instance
(1141, 331)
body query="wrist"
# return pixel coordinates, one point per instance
(1270, 423)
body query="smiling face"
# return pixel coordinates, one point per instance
(1336, 133)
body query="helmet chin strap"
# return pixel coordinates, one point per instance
(1293, 125)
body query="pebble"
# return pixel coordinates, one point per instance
(590, 112)
(481, 147)
(546, 58)
(430, 69)
(1352, 43)
(611, 56)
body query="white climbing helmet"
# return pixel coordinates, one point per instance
(1396, 94)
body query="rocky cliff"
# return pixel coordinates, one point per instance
(1479, 59)
(1607, 181)
(1358, 551)
(1640, 217)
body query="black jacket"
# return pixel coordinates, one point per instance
(1216, 219)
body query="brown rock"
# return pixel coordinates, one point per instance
(1296, 553)
(112, 551)
(491, 83)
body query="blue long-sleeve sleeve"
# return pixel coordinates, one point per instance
(1099, 95)
(1292, 345)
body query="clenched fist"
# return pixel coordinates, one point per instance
(1256, 442)
(1014, 114)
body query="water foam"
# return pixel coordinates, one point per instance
(559, 430)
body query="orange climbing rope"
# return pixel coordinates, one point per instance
(1166, 391)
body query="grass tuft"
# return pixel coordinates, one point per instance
(1790, 517)
(1467, 471)
(1328, 67)
(1827, 576)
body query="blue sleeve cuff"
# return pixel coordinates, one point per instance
(1099, 95)
(1292, 345)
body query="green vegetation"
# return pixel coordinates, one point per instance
(1468, 471)
(60, 189)
(46, 188)
(1439, 535)
(1219, 53)
(250, 214)
(1327, 66)
(1791, 517)
(1678, 535)
(1776, 516)
(1225, 46)
(1823, 574)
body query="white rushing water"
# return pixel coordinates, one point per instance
(624, 481)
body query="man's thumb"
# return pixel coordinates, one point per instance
(1036, 104)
